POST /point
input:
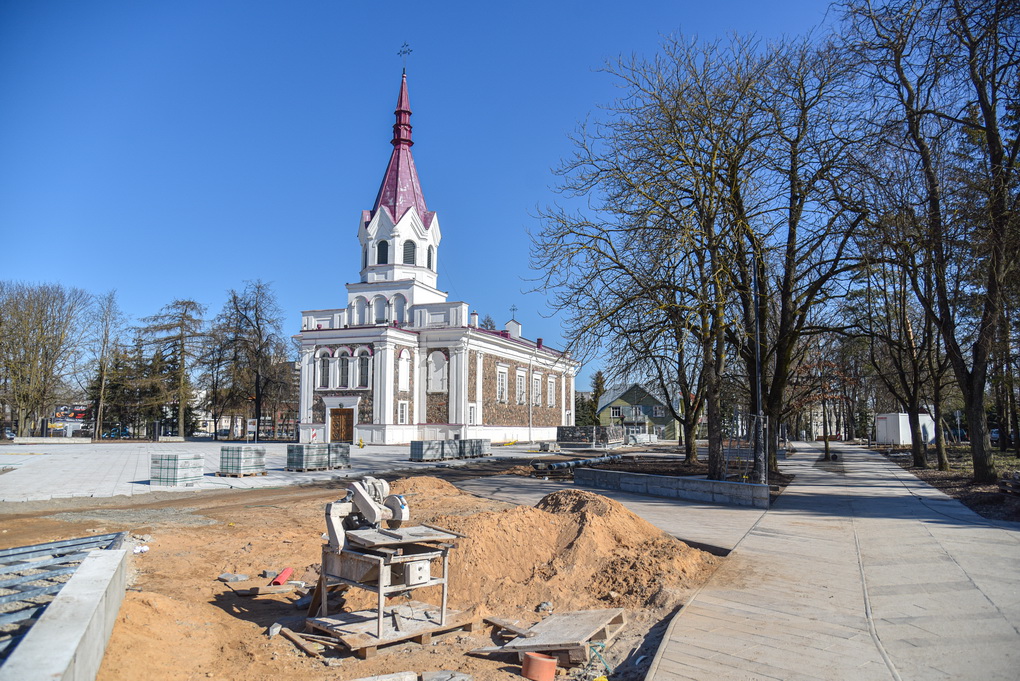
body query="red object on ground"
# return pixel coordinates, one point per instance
(539, 667)
(282, 577)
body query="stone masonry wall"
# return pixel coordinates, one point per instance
(510, 413)
(364, 414)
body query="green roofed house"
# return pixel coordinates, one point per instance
(639, 409)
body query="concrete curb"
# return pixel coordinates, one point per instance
(69, 640)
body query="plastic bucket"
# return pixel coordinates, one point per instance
(538, 667)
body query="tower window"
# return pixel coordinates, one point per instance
(410, 253)
(382, 253)
(431, 259)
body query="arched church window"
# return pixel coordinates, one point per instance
(382, 252)
(437, 372)
(324, 372)
(431, 259)
(404, 371)
(345, 370)
(410, 253)
(364, 363)
(364, 258)
(379, 306)
(399, 309)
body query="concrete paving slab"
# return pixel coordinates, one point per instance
(867, 558)
(42, 471)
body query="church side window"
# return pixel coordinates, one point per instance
(364, 364)
(410, 253)
(552, 392)
(501, 385)
(345, 370)
(324, 372)
(404, 371)
(437, 372)
(522, 388)
(402, 411)
(382, 253)
(431, 258)
(536, 391)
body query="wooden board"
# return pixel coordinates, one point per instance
(402, 535)
(1009, 486)
(571, 631)
(413, 621)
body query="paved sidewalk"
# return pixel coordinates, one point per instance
(43, 472)
(859, 571)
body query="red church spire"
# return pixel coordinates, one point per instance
(400, 187)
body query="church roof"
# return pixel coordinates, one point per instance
(401, 189)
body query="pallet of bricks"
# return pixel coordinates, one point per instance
(176, 469)
(238, 461)
(339, 455)
(310, 457)
(438, 450)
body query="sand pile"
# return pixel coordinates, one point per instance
(574, 549)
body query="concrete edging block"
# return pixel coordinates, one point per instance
(676, 487)
(69, 640)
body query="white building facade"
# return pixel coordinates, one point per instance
(400, 362)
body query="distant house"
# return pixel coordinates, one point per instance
(639, 409)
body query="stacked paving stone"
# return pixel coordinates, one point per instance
(176, 469)
(436, 450)
(306, 457)
(339, 455)
(242, 460)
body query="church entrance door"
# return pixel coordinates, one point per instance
(341, 425)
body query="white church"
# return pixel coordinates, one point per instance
(401, 362)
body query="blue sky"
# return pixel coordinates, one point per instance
(176, 149)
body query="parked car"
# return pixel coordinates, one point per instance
(8, 434)
(993, 435)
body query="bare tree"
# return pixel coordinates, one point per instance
(104, 336)
(41, 330)
(946, 74)
(253, 322)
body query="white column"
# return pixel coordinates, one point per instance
(479, 401)
(458, 383)
(418, 361)
(382, 403)
(568, 399)
(307, 384)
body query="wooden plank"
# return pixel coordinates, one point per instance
(570, 630)
(265, 590)
(418, 622)
(511, 627)
(300, 643)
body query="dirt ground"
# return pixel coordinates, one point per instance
(575, 550)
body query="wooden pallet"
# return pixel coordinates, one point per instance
(566, 635)
(221, 474)
(1009, 486)
(410, 621)
(307, 470)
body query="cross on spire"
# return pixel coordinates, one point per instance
(513, 312)
(405, 50)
